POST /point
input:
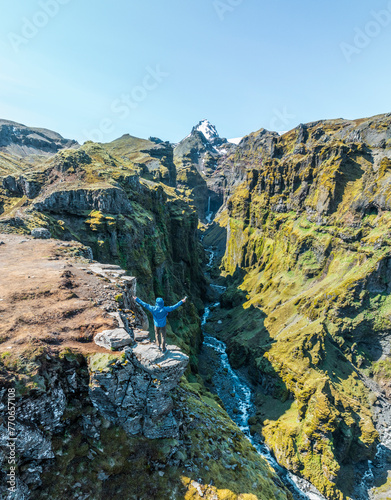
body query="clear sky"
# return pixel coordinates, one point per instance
(98, 68)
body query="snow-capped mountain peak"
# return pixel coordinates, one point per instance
(209, 131)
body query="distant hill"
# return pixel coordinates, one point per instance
(20, 140)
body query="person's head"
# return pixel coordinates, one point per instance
(159, 302)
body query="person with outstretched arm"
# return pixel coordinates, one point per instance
(159, 312)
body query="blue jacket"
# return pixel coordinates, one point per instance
(159, 312)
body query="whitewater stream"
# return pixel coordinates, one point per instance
(236, 395)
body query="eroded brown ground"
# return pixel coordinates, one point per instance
(48, 299)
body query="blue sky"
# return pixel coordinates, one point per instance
(99, 69)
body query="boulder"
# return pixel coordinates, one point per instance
(113, 339)
(41, 233)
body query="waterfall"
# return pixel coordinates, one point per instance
(209, 214)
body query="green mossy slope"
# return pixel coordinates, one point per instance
(307, 264)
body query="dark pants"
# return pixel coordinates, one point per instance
(160, 337)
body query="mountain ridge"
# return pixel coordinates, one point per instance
(20, 140)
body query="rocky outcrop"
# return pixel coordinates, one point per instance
(109, 199)
(161, 165)
(19, 140)
(21, 186)
(134, 393)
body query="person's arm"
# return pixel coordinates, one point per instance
(144, 304)
(172, 308)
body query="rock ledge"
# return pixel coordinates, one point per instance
(134, 392)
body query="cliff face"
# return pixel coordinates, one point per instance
(234, 166)
(110, 423)
(307, 306)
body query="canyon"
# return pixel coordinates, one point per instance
(299, 227)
